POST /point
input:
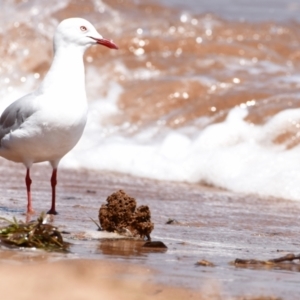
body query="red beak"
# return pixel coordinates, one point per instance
(106, 43)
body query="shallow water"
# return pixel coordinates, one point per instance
(245, 10)
(214, 225)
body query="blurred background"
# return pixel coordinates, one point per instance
(204, 92)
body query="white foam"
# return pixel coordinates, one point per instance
(233, 154)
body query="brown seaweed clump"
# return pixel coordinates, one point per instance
(121, 214)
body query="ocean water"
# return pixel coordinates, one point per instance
(195, 93)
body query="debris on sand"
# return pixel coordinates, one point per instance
(172, 222)
(121, 215)
(35, 234)
(205, 263)
(155, 244)
(288, 257)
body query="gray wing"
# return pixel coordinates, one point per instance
(16, 113)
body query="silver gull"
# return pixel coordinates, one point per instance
(47, 123)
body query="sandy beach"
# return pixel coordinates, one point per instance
(211, 224)
(84, 279)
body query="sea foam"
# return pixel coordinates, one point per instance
(233, 154)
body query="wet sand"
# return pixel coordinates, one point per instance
(211, 224)
(84, 279)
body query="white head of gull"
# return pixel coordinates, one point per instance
(46, 124)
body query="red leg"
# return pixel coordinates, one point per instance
(52, 210)
(28, 184)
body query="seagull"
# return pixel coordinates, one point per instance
(47, 123)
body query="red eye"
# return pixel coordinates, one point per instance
(83, 28)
